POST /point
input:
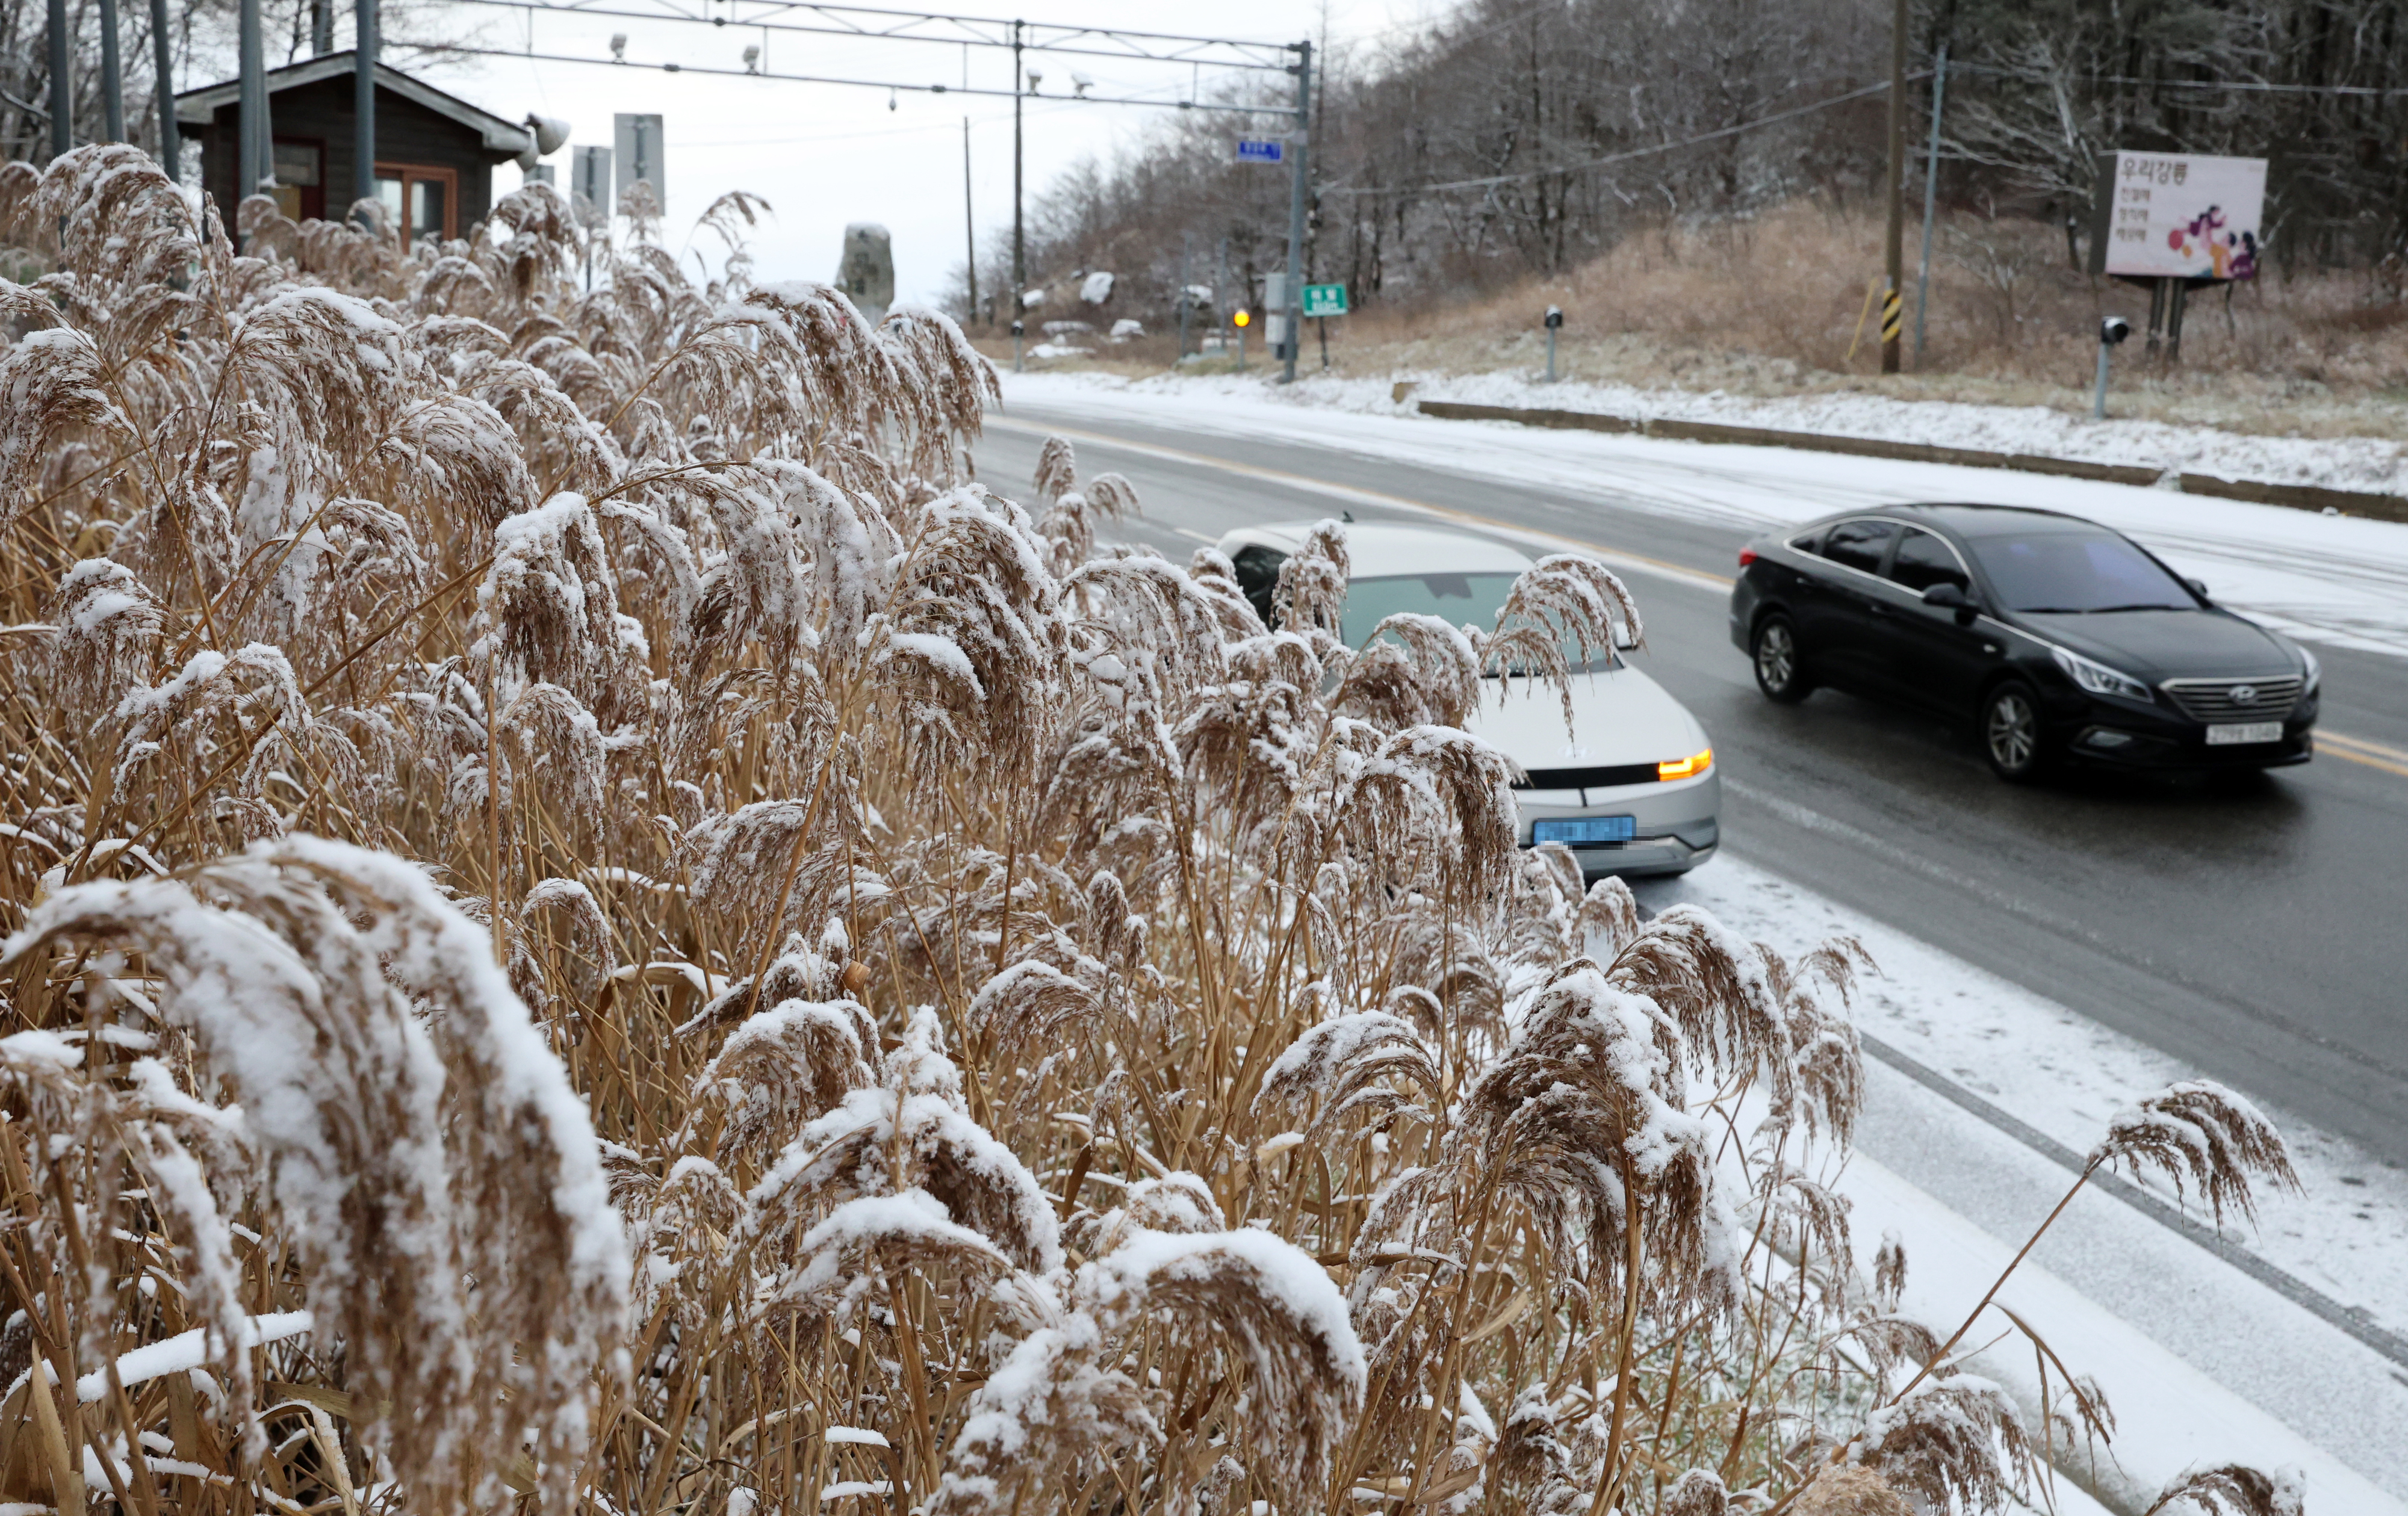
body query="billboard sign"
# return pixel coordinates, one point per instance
(2179, 215)
(1261, 150)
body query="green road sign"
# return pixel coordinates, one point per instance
(1325, 299)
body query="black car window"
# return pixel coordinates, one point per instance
(2077, 572)
(1859, 544)
(1258, 575)
(1922, 561)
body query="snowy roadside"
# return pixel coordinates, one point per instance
(2336, 580)
(2162, 1321)
(2356, 462)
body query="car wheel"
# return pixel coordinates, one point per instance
(2011, 733)
(1779, 667)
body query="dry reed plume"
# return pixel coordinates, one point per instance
(593, 922)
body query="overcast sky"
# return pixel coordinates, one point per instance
(825, 155)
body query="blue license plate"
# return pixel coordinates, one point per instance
(1590, 830)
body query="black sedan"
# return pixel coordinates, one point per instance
(2060, 639)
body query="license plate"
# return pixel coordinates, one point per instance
(1590, 830)
(2233, 735)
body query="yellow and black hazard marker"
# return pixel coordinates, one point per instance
(1893, 315)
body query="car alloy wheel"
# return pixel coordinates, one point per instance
(2011, 733)
(1780, 671)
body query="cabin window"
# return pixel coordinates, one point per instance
(301, 178)
(420, 200)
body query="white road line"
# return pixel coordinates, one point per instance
(1613, 557)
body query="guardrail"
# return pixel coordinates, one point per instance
(2390, 508)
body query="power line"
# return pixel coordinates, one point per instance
(1494, 180)
(863, 83)
(867, 24)
(2245, 86)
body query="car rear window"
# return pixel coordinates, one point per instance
(2077, 572)
(1859, 544)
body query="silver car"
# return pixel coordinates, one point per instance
(1630, 788)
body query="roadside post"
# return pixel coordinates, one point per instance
(1555, 324)
(1016, 329)
(1240, 319)
(2112, 331)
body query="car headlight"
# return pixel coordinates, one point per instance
(2315, 670)
(2100, 679)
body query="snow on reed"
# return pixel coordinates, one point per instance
(593, 922)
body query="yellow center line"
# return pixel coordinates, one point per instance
(2332, 743)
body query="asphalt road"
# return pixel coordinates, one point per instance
(2256, 930)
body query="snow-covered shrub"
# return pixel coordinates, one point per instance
(589, 914)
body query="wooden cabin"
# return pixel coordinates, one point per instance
(434, 156)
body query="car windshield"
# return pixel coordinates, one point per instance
(1454, 598)
(2078, 572)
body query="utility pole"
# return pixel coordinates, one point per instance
(253, 148)
(322, 27)
(363, 113)
(1019, 223)
(1893, 302)
(61, 94)
(1930, 196)
(112, 75)
(171, 148)
(970, 219)
(1292, 322)
(1187, 244)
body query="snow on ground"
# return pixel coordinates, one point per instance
(2345, 1234)
(2337, 580)
(2163, 1322)
(2359, 463)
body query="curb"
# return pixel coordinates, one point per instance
(2390, 508)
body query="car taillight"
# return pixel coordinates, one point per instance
(1689, 767)
(1746, 556)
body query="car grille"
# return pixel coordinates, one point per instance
(2220, 700)
(1589, 779)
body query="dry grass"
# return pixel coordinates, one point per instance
(1768, 307)
(590, 926)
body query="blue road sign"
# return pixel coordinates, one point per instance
(1261, 150)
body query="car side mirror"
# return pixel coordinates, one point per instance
(2196, 587)
(1947, 596)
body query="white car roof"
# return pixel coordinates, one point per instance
(1382, 548)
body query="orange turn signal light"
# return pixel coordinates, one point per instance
(1689, 767)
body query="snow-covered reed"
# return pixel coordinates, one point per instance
(592, 919)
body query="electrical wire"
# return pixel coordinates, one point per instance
(1492, 180)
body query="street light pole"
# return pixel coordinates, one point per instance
(970, 219)
(62, 91)
(1930, 196)
(163, 51)
(252, 152)
(112, 75)
(364, 126)
(1893, 302)
(1293, 319)
(1019, 220)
